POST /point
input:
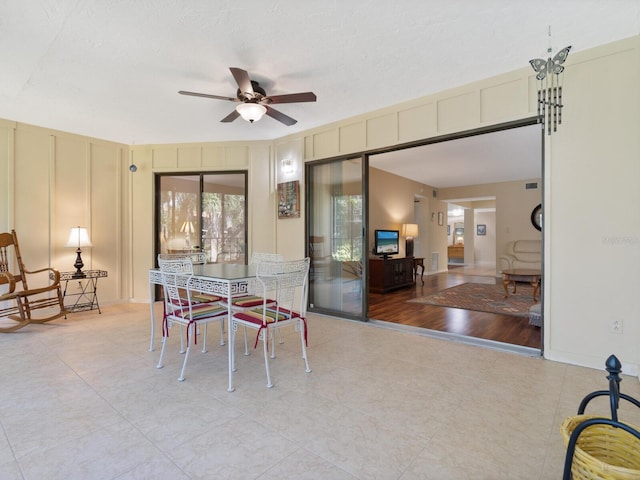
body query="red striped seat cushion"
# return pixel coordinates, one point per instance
(256, 315)
(205, 297)
(180, 302)
(204, 310)
(248, 301)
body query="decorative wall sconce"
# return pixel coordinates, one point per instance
(287, 166)
(550, 87)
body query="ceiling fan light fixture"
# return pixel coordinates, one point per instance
(251, 112)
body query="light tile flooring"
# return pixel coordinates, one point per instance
(81, 399)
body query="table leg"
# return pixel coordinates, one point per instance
(422, 274)
(95, 295)
(505, 284)
(536, 285)
(230, 347)
(64, 295)
(153, 320)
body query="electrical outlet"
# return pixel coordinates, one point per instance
(615, 326)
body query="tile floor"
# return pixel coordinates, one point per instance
(81, 399)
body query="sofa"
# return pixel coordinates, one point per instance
(522, 254)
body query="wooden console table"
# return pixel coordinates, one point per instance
(390, 274)
(456, 252)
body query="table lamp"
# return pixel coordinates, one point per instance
(188, 229)
(78, 237)
(409, 230)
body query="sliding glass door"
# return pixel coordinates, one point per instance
(335, 232)
(202, 212)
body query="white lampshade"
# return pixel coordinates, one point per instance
(409, 230)
(251, 112)
(78, 237)
(187, 227)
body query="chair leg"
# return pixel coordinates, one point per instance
(304, 347)
(265, 344)
(182, 340)
(222, 331)
(164, 343)
(273, 341)
(186, 355)
(204, 337)
(246, 343)
(21, 318)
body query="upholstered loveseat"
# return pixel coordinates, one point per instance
(522, 254)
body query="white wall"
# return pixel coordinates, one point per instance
(485, 245)
(52, 181)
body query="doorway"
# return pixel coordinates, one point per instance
(202, 212)
(467, 172)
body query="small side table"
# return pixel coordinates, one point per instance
(418, 262)
(529, 275)
(86, 297)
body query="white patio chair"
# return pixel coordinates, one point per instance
(182, 309)
(287, 283)
(253, 299)
(197, 258)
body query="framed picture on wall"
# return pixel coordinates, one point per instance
(448, 229)
(289, 199)
(481, 229)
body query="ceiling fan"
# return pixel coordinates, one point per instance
(253, 100)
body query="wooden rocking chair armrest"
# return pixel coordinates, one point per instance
(11, 281)
(53, 275)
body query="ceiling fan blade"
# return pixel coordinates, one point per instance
(281, 117)
(231, 117)
(206, 95)
(243, 80)
(292, 98)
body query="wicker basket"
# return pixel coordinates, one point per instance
(603, 452)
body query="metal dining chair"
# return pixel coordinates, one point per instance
(287, 283)
(252, 298)
(182, 309)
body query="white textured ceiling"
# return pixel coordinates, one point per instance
(503, 156)
(112, 69)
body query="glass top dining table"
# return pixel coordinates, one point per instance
(223, 279)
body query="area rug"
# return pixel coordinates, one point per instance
(483, 298)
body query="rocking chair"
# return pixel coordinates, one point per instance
(18, 301)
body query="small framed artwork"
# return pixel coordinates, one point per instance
(440, 218)
(481, 229)
(289, 199)
(448, 229)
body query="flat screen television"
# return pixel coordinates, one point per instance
(387, 242)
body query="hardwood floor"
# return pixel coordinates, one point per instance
(393, 307)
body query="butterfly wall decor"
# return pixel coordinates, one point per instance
(550, 90)
(550, 65)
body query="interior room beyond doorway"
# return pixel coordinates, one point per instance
(459, 173)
